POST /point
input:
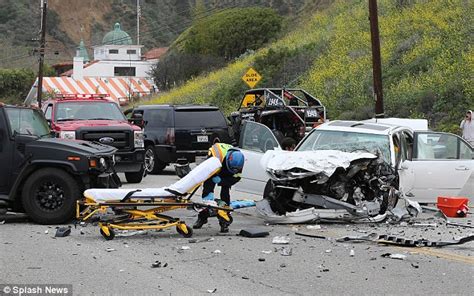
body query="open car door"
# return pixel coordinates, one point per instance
(255, 140)
(443, 165)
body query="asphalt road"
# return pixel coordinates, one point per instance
(233, 265)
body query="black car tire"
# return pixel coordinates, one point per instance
(150, 159)
(279, 198)
(134, 177)
(158, 165)
(46, 181)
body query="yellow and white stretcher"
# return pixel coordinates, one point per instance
(141, 209)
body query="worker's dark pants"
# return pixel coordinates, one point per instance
(226, 183)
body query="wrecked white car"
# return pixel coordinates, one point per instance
(355, 167)
(360, 184)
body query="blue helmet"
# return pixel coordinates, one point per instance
(235, 161)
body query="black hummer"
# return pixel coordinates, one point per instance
(179, 133)
(42, 175)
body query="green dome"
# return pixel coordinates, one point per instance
(117, 37)
(82, 51)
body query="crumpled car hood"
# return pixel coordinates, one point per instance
(314, 162)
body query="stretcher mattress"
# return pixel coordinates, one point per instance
(185, 185)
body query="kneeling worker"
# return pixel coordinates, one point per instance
(232, 164)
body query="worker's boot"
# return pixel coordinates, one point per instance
(202, 219)
(225, 219)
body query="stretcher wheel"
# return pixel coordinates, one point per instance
(184, 230)
(224, 216)
(108, 236)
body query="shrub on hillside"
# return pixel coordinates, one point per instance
(231, 33)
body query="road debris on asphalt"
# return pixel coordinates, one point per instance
(286, 251)
(352, 253)
(394, 256)
(281, 240)
(399, 241)
(63, 231)
(158, 264)
(110, 250)
(310, 235)
(212, 291)
(185, 247)
(253, 232)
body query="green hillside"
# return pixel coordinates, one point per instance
(427, 62)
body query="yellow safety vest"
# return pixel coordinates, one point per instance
(219, 150)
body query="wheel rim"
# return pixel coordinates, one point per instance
(50, 196)
(149, 160)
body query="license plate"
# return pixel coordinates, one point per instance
(202, 139)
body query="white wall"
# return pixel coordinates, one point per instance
(102, 52)
(106, 68)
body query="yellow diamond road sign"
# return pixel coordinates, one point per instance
(251, 77)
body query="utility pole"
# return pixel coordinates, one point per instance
(44, 9)
(376, 60)
(139, 12)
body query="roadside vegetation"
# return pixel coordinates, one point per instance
(427, 57)
(16, 83)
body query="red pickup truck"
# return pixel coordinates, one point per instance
(98, 118)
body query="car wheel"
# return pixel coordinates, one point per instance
(134, 177)
(280, 199)
(390, 200)
(149, 159)
(49, 196)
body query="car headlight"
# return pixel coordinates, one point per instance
(138, 141)
(70, 135)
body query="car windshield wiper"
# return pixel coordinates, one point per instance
(69, 119)
(100, 118)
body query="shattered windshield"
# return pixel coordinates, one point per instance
(347, 142)
(88, 111)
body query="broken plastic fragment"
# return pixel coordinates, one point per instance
(281, 240)
(394, 256)
(63, 232)
(352, 253)
(286, 251)
(185, 248)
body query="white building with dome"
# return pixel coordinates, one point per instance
(117, 69)
(115, 57)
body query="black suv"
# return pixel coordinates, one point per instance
(42, 175)
(179, 133)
